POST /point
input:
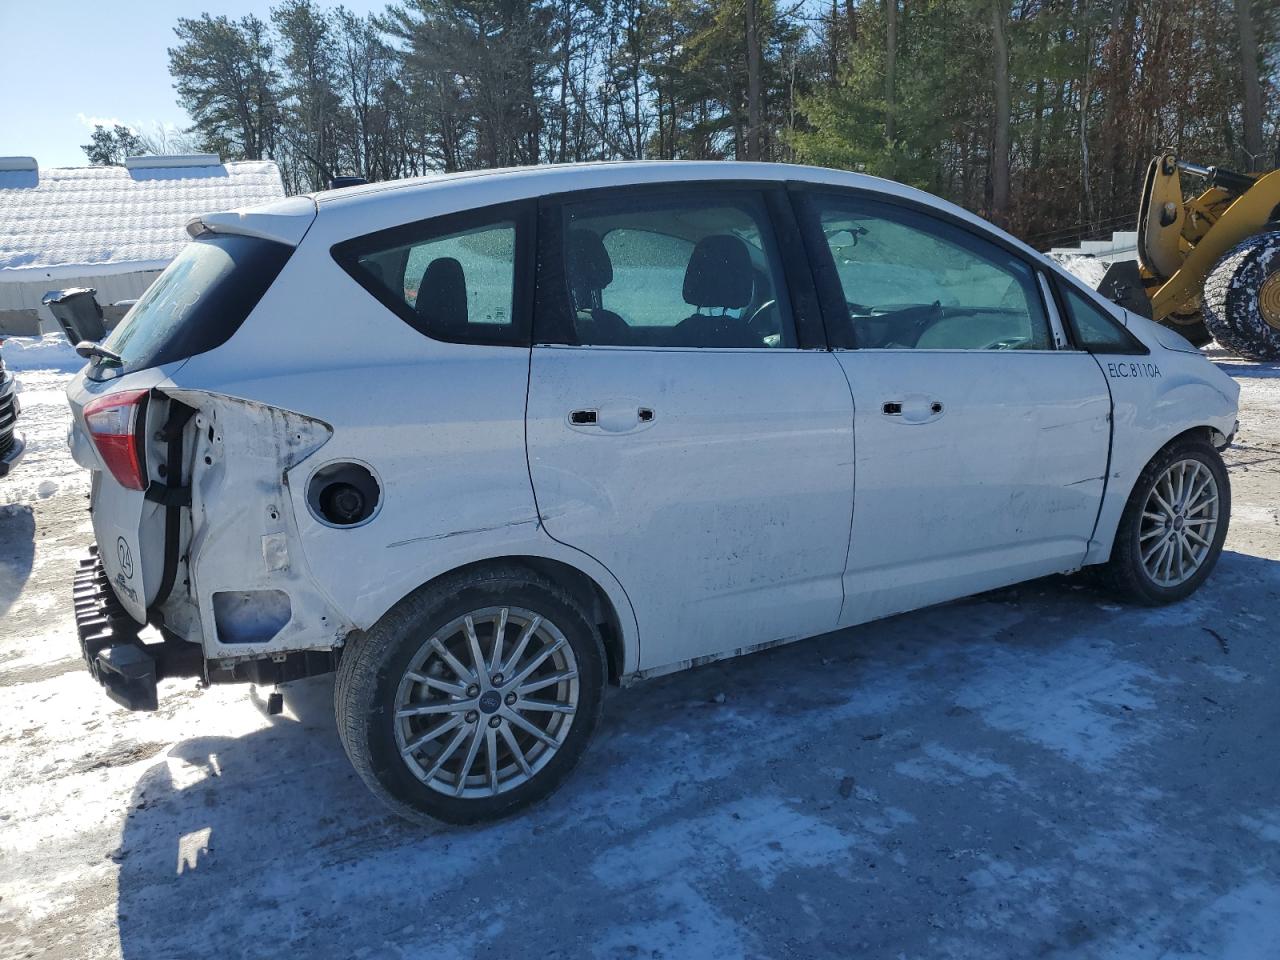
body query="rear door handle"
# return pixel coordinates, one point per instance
(582, 418)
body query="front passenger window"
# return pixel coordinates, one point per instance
(913, 282)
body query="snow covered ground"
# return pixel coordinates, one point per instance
(1036, 772)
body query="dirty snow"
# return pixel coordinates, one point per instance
(1040, 771)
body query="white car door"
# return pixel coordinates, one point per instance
(982, 438)
(679, 431)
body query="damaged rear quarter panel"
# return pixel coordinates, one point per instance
(244, 537)
(440, 425)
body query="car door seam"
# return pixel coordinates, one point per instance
(853, 486)
(1111, 441)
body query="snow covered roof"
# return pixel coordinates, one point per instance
(65, 222)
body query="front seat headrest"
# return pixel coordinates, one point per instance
(589, 266)
(719, 273)
(442, 296)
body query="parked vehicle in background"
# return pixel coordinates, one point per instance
(486, 442)
(11, 443)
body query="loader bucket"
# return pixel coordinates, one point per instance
(1122, 284)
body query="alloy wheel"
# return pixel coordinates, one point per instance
(486, 702)
(1179, 521)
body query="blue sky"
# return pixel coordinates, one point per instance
(64, 63)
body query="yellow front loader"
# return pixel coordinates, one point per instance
(1208, 267)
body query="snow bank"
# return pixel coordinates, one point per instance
(1089, 269)
(50, 352)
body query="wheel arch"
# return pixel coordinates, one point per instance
(583, 588)
(1117, 498)
(608, 605)
(1205, 431)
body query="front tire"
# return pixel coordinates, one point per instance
(1173, 526)
(1242, 298)
(472, 698)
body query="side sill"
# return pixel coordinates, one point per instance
(630, 679)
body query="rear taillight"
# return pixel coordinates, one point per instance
(114, 423)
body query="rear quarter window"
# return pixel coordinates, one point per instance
(463, 278)
(199, 301)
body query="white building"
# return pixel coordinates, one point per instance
(111, 228)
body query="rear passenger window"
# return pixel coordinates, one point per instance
(664, 270)
(1094, 329)
(451, 279)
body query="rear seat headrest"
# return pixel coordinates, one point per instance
(442, 295)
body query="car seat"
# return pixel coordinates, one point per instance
(718, 277)
(589, 271)
(442, 299)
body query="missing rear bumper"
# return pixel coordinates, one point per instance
(130, 668)
(127, 667)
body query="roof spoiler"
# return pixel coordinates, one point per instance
(282, 221)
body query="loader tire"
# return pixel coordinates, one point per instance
(1242, 298)
(1191, 328)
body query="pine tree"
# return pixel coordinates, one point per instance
(110, 147)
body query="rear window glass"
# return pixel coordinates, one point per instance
(199, 301)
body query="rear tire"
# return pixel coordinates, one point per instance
(511, 732)
(1173, 526)
(1242, 298)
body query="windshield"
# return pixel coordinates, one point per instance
(198, 302)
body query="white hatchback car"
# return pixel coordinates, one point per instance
(483, 443)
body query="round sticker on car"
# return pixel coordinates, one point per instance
(125, 556)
